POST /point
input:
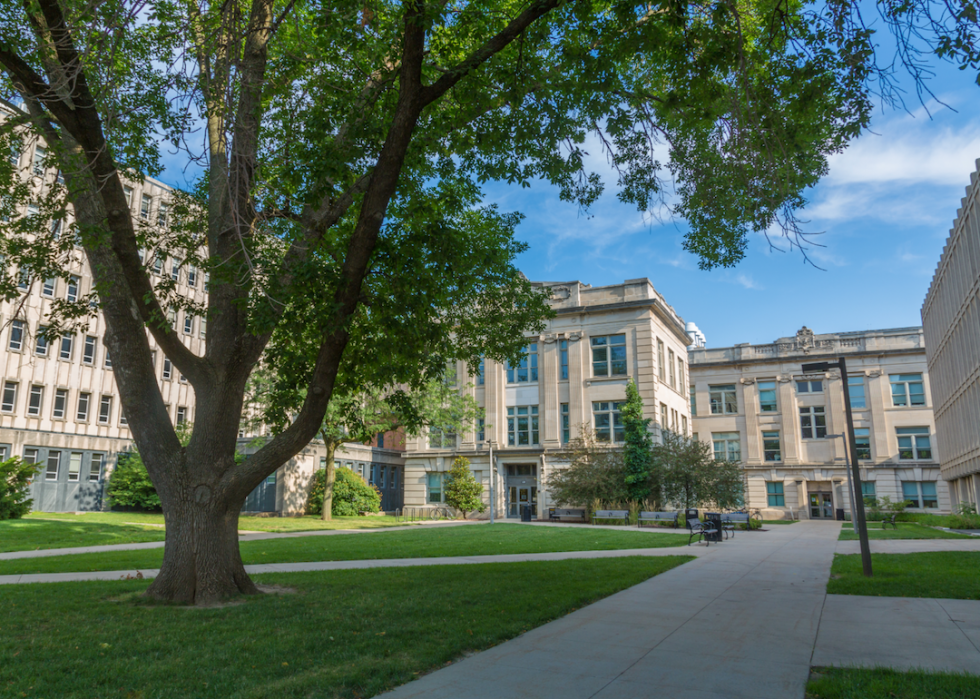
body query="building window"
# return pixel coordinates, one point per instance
(774, 494)
(434, 486)
(67, 343)
(809, 386)
(862, 443)
(145, 207)
(60, 404)
(95, 467)
(394, 478)
(168, 369)
(74, 465)
(563, 360)
(384, 473)
(609, 355)
(108, 360)
(88, 350)
(188, 324)
(727, 446)
(608, 423)
(24, 276)
(192, 276)
(566, 427)
(770, 446)
(35, 400)
(30, 455)
(663, 416)
(813, 422)
(907, 389)
(722, 399)
(527, 370)
(381, 440)
(694, 402)
(122, 418)
(203, 327)
(181, 415)
(670, 364)
(54, 463)
(441, 438)
(16, 335)
(855, 387)
(175, 270)
(868, 493)
(48, 287)
(83, 400)
(9, 396)
(922, 494)
(767, 396)
(162, 214)
(182, 378)
(105, 410)
(41, 343)
(481, 430)
(158, 263)
(913, 443)
(522, 425)
(481, 372)
(684, 425)
(71, 293)
(38, 168)
(661, 369)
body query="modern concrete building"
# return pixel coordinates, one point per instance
(574, 374)
(58, 401)
(951, 320)
(754, 404)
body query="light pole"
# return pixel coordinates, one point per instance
(850, 487)
(860, 525)
(492, 479)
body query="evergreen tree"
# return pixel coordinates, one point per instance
(462, 490)
(636, 454)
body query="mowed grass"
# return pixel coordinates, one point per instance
(905, 530)
(854, 683)
(342, 634)
(469, 540)
(944, 574)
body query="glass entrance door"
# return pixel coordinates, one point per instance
(518, 495)
(821, 506)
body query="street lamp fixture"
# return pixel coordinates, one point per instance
(493, 478)
(859, 522)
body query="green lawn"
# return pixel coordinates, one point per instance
(948, 574)
(905, 530)
(475, 540)
(848, 683)
(343, 634)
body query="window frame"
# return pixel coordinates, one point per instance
(768, 438)
(727, 439)
(528, 365)
(16, 335)
(563, 360)
(86, 398)
(766, 406)
(514, 431)
(775, 494)
(440, 489)
(69, 342)
(857, 402)
(609, 346)
(60, 395)
(809, 383)
(10, 387)
(815, 414)
(914, 435)
(907, 382)
(861, 447)
(105, 410)
(614, 431)
(718, 396)
(37, 391)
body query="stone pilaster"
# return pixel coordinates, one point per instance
(548, 411)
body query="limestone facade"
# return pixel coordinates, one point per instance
(755, 401)
(951, 320)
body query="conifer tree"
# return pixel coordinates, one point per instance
(638, 446)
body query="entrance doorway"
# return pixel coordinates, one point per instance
(821, 506)
(522, 489)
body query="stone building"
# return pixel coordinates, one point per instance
(951, 320)
(573, 374)
(755, 405)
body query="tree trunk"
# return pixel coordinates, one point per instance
(328, 480)
(201, 561)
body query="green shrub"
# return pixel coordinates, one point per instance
(350, 494)
(130, 485)
(461, 489)
(15, 484)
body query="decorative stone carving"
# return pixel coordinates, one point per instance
(560, 293)
(550, 338)
(874, 373)
(804, 339)
(785, 379)
(747, 382)
(574, 336)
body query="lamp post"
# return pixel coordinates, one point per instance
(492, 479)
(860, 525)
(850, 487)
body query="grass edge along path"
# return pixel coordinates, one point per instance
(904, 530)
(937, 574)
(345, 634)
(881, 683)
(484, 539)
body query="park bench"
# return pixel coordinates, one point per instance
(612, 514)
(700, 529)
(891, 521)
(558, 514)
(655, 517)
(730, 519)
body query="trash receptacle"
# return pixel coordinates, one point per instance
(691, 515)
(525, 513)
(713, 518)
(840, 514)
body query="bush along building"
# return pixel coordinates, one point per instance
(572, 375)
(755, 405)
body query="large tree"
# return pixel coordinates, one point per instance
(343, 147)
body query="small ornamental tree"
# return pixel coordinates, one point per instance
(595, 471)
(15, 484)
(693, 477)
(461, 489)
(351, 495)
(130, 485)
(637, 460)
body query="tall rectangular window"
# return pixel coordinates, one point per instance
(921, 494)
(527, 369)
(192, 276)
(74, 465)
(95, 467)
(48, 287)
(16, 335)
(71, 292)
(158, 261)
(813, 422)
(868, 492)
(566, 427)
(203, 327)
(481, 372)
(722, 399)
(168, 369)
(108, 360)
(694, 402)
(907, 389)
(774, 494)
(181, 415)
(663, 416)
(727, 446)
(88, 350)
(855, 387)
(481, 432)
(522, 425)
(53, 464)
(35, 400)
(67, 344)
(563, 360)
(809, 386)
(767, 396)
(441, 438)
(38, 167)
(433, 482)
(162, 214)
(30, 455)
(41, 342)
(60, 404)
(145, 207)
(680, 373)
(914, 444)
(9, 399)
(608, 355)
(770, 446)
(661, 369)
(670, 365)
(175, 270)
(188, 323)
(608, 422)
(862, 443)
(81, 415)
(105, 410)
(684, 425)
(128, 193)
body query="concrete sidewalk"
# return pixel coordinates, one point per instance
(696, 550)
